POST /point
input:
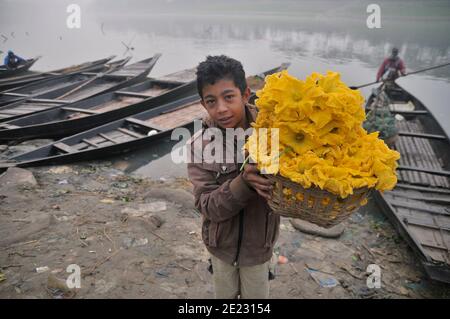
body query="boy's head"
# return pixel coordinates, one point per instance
(223, 89)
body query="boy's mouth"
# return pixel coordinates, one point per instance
(225, 120)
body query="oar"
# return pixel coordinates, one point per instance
(423, 70)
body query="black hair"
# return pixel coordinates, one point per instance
(219, 67)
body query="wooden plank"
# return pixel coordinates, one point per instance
(433, 160)
(15, 111)
(15, 94)
(416, 161)
(423, 189)
(64, 147)
(131, 133)
(410, 112)
(412, 177)
(421, 169)
(411, 221)
(419, 206)
(404, 175)
(143, 123)
(106, 137)
(55, 101)
(78, 110)
(89, 142)
(8, 126)
(410, 195)
(132, 94)
(422, 135)
(425, 160)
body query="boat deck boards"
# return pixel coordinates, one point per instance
(89, 90)
(420, 203)
(178, 117)
(120, 102)
(24, 109)
(418, 152)
(187, 75)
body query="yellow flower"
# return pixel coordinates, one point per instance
(320, 124)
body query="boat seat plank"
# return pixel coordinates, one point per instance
(15, 111)
(438, 198)
(106, 137)
(133, 94)
(422, 135)
(409, 112)
(131, 133)
(155, 91)
(8, 126)
(179, 117)
(428, 232)
(423, 189)
(416, 205)
(89, 142)
(15, 94)
(144, 123)
(421, 169)
(54, 101)
(64, 147)
(78, 110)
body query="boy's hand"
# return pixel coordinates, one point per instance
(260, 184)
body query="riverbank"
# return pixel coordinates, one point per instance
(136, 237)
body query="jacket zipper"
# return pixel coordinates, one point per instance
(241, 231)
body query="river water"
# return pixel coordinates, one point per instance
(311, 35)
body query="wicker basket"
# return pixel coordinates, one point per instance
(314, 205)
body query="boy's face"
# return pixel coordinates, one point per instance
(225, 104)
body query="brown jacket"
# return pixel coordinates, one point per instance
(238, 225)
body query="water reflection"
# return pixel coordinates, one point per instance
(312, 35)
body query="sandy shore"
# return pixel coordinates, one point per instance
(140, 238)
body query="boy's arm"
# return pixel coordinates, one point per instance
(218, 202)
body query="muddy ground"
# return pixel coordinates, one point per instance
(140, 238)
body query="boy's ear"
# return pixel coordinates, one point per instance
(246, 95)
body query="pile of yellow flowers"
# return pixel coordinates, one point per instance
(321, 139)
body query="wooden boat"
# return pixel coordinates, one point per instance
(419, 206)
(95, 111)
(74, 88)
(6, 72)
(39, 88)
(30, 77)
(123, 135)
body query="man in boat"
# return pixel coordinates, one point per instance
(12, 61)
(391, 67)
(239, 229)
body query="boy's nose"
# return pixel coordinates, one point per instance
(221, 107)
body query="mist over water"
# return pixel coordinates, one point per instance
(312, 35)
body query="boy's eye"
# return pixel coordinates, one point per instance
(229, 97)
(209, 102)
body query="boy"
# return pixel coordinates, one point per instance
(239, 228)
